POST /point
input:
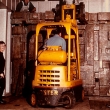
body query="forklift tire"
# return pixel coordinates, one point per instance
(33, 101)
(69, 100)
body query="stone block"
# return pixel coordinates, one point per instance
(19, 15)
(96, 45)
(96, 27)
(82, 54)
(17, 76)
(83, 75)
(89, 44)
(104, 16)
(99, 103)
(104, 27)
(96, 66)
(82, 36)
(34, 16)
(92, 16)
(16, 47)
(89, 89)
(97, 87)
(87, 16)
(31, 48)
(106, 64)
(104, 77)
(109, 35)
(96, 92)
(24, 47)
(18, 30)
(104, 90)
(49, 15)
(81, 27)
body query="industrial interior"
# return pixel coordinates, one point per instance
(18, 31)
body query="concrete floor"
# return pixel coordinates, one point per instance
(19, 103)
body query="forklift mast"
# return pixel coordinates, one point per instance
(77, 14)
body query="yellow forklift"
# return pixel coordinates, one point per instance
(57, 79)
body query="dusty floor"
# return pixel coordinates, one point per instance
(20, 103)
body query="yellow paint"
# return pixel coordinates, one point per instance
(72, 36)
(49, 92)
(51, 72)
(57, 56)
